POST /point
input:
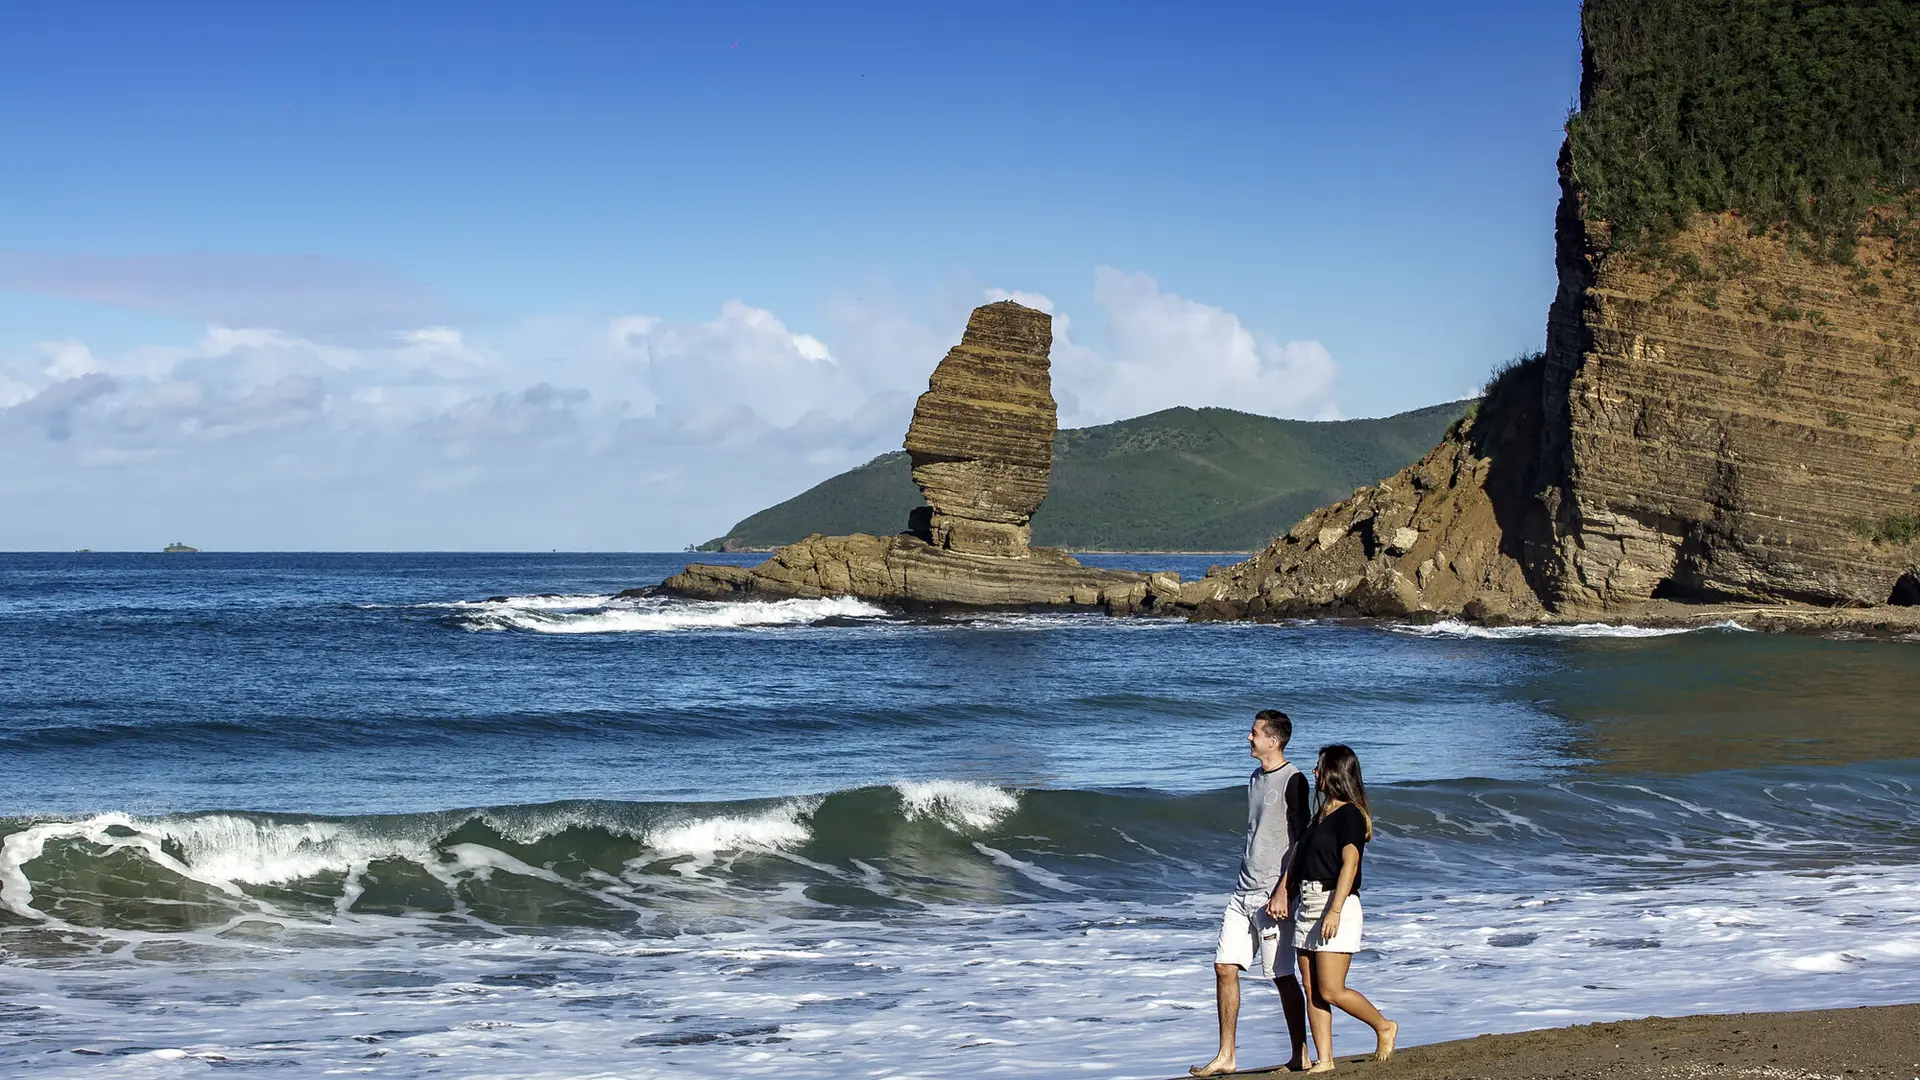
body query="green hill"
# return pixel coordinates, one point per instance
(1177, 480)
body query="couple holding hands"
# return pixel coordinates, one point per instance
(1298, 898)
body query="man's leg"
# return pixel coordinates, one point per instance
(1239, 944)
(1278, 957)
(1293, 1003)
(1226, 1000)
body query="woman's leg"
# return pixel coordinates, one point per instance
(1319, 1017)
(1330, 981)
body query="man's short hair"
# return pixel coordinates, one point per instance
(1277, 723)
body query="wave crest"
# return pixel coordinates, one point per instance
(957, 804)
(617, 615)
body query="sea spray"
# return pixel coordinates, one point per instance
(614, 615)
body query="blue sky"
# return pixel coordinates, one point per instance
(610, 276)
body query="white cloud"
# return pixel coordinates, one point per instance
(746, 356)
(636, 431)
(1167, 350)
(67, 359)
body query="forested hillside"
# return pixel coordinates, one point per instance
(1178, 480)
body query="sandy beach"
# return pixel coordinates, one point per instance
(1827, 1044)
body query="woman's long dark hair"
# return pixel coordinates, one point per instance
(1340, 779)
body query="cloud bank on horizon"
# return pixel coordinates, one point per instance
(328, 405)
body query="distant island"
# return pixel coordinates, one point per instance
(177, 548)
(1176, 480)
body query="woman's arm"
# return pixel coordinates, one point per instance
(1349, 869)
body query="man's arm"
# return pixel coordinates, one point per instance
(1297, 811)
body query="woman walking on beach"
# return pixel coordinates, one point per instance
(1327, 919)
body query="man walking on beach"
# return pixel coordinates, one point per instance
(1276, 816)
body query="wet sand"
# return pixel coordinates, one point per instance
(1829, 1044)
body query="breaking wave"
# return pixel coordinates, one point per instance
(604, 863)
(546, 614)
(197, 869)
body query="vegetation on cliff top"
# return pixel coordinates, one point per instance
(1177, 480)
(1794, 113)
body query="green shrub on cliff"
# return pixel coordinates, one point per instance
(1893, 529)
(1795, 113)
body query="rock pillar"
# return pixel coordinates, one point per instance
(982, 435)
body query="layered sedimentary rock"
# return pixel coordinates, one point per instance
(982, 446)
(912, 573)
(1730, 418)
(982, 435)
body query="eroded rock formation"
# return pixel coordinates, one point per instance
(982, 435)
(982, 446)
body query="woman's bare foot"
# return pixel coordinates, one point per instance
(1322, 1066)
(1300, 1064)
(1386, 1035)
(1219, 1066)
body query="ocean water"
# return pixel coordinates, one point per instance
(464, 815)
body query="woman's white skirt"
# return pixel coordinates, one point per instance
(1311, 910)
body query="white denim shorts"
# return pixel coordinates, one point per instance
(1245, 930)
(1312, 908)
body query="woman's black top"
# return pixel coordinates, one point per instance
(1319, 856)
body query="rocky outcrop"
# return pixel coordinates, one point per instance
(1443, 536)
(982, 445)
(907, 571)
(982, 435)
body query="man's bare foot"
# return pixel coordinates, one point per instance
(1299, 1064)
(1219, 1066)
(1385, 1049)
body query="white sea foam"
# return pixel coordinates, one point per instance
(533, 602)
(223, 851)
(654, 615)
(1453, 628)
(224, 847)
(777, 828)
(957, 804)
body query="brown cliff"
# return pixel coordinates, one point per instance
(982, 445)
(1726, 414)
(1731, 418)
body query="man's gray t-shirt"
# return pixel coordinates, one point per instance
(1276, 816)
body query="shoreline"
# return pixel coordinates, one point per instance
(1823, 1044)
(1885, 620)
(1076, 552)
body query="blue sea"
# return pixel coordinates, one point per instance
(477, 816)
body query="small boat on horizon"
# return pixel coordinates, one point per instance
(177, 547)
